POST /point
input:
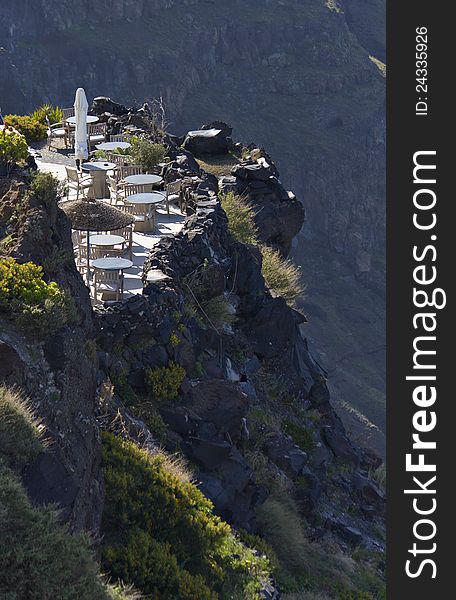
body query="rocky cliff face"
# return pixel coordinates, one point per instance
(294, 76)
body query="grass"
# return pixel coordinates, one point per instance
(20, 432)
(40, 559)
(218, 165)
(281, 275)
(241, 218)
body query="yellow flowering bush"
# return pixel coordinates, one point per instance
(38, 306)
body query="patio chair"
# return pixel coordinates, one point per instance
(76, 181)
(143, 214)
(132, 188)
(81, 258)
(56, 131)
(96, 134)
(127, 233)
(127, 170)
(67, 113)
(119, 138)
(108, 283)
(173, 194)
(118, 159)
(115, 189)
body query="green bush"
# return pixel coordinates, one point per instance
(53, 113)
(280, 275)
(13, 149)
(165, 382)
(39, 559)
(39, 307)
(20, 432)
(301, 436)
(146, 153)
(45, 188)
(161, 535)
(241, 218)
(31, 129)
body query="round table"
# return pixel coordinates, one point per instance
(108, 146)
(98, 172)
(112, 264)
(103, 239)
(143, 179)
(90, 119)
(145, 198)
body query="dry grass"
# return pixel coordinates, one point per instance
(20, 432)
(281, 275)
(241, 218)
(218, 165)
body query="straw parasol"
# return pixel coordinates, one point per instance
(81, 107)
(91, 215)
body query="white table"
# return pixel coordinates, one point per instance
(98, 172)
(90, 119)
(143, 179)
(112, 264)
(103, 239)
(108, 146)
(145, 198)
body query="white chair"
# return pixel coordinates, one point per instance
(127, 233)
(82, 260)
(119, 138)
(115, 189)
(76, 181)
(108, 283)
(173, 193)
(96, 134)
(56, 131)
(143, 214)
(127, 170)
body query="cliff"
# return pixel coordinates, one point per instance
(294, 76)
(208, 363)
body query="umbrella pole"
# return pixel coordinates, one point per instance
(88, 260)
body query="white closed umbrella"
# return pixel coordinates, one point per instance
(81, 107)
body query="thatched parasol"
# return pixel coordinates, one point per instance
(91, 215)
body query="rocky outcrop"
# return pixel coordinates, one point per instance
(57, 373)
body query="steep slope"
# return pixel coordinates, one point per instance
(294, 76)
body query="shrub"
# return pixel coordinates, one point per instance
(161, 535)
(301, 436)
(45, 188)
(241, 218)
(165, 382)
(147, 153)
(53, 113)
(40, 307)
(20, 434)
(40, 560)
(280, 274)
(13, 149)
(31, 129)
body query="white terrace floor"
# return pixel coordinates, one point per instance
(167, 225)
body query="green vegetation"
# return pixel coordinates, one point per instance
(40, 559)
(13, 149)
(53, 113)
(40, 308)
(304, 567)
(165, 382)
(45, 188)
(31, 129)
(301, 436)
(241, 218)
(147, 153)
(161, 535)
(280, 275)
(20, 432)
